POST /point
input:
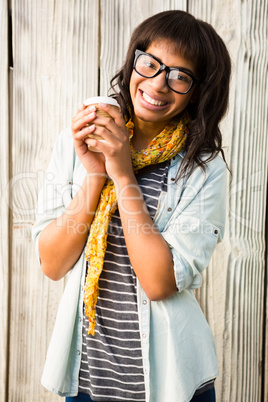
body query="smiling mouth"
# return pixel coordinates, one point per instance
(153, 101)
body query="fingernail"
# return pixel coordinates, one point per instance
(91, 108)
(91, 115)
(91, 127)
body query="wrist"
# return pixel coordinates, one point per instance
(129, 196)
(95, 179)
(124, 181)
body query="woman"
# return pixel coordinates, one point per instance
(129, 327)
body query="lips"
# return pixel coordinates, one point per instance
(152, 101)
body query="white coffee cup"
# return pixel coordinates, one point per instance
(96, 100)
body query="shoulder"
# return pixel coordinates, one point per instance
(214, 173)
(215, 165)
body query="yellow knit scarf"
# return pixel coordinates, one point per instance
(162, 148)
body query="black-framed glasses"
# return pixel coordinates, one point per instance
(178, 80)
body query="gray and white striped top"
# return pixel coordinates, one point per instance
(111, 367)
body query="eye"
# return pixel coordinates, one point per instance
(180, 76)
(150, 63)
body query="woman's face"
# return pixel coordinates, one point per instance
(153, 101)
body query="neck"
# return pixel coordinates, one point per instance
(145, 132)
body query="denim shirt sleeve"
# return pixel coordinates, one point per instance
(56, 192)
(60, 374)
(196, 222)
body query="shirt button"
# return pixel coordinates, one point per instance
(80, 319)
(144, 301)
(172, 179)
(215, 231)
(144, 335)
(169, 209)
(78, 352)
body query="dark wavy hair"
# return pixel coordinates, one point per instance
(197, 41)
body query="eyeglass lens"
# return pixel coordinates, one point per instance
(148, 67)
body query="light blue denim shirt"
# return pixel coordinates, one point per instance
(178, 348)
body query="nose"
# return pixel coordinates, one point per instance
(159, 82)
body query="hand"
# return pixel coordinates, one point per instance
(92, 161)
(115, 148)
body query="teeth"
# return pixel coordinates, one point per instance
(152, 101)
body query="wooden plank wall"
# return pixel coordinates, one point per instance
(4, 200)
(234, 296)
(65, 51)
(55, 48)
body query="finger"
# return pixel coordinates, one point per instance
(82, 107)
(108, 125)
(84, 132)
(114, 112)
(83, 111)
(110, 142)
(82, 119)
(91, 142)
(100, 145)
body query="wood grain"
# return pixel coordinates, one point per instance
(55, 47)
(4, 199)
(233, 295)
(65, 51)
